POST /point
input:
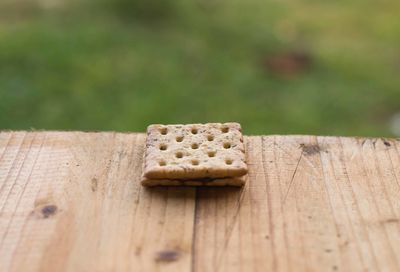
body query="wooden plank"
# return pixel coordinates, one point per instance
(71, 201)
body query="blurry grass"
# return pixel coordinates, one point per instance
(123, 65)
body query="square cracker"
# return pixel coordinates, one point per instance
(236, 181)
(194, 151)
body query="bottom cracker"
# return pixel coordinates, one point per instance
(237, 181)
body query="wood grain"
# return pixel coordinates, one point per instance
(71, 201)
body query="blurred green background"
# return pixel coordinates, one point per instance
(278, 67)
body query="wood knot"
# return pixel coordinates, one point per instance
(387, 143)
(93, 184)
(391, 220)
(167, 256)
(48, 210)
(310, 149)
(44, 208)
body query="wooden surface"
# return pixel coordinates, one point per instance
(71, 201)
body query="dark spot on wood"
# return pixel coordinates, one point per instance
(77, 165)
(387, 143)
(288, 63)
(328, 250)
(335, 267)
(167, 256)
(138, 250)
(392, 220)
(49, 210)
(267, 237)
(309, 217)
(122, 154)
(93, 184)
(310, 149)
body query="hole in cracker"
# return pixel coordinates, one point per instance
(179, 139)
(228, 161)
(164, 131)
(162, 163)
(194, 130)
(195, 146)
(179, 155)
(210, 138)
(163, 147)
(225, 129)
(211, 154)
(195, 162)
(227, 145)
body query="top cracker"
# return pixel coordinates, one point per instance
(194, 151)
